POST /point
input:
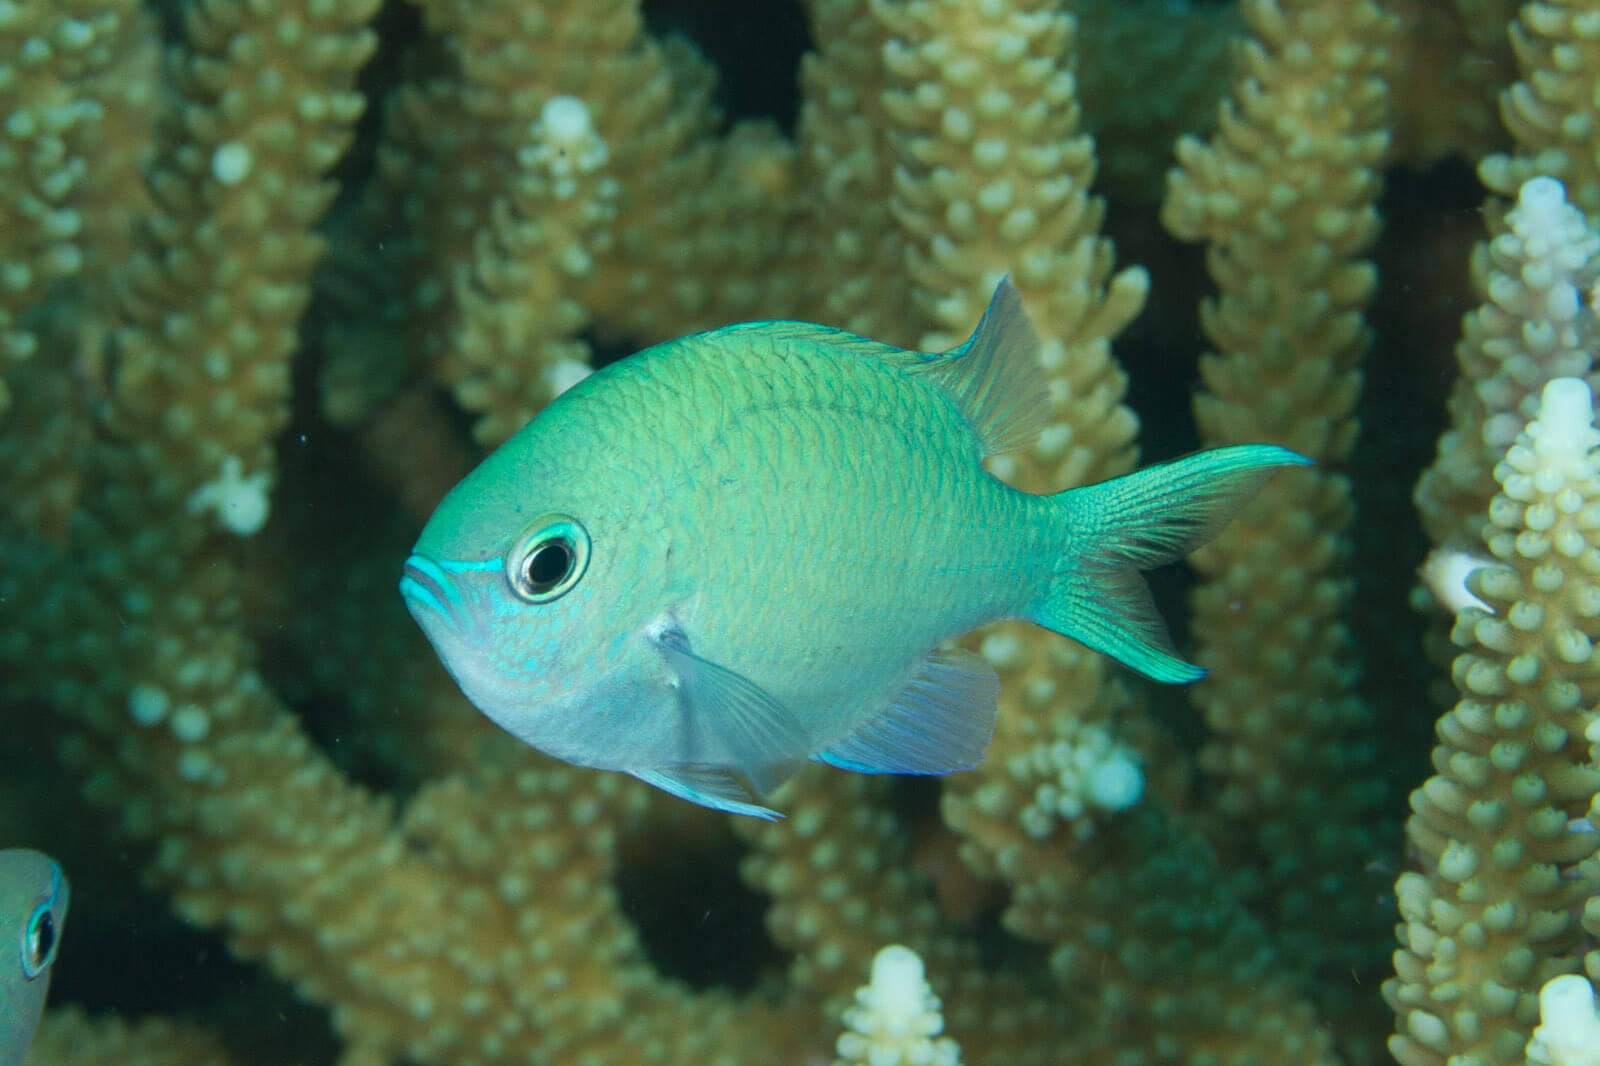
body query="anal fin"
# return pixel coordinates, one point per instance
(940, 720)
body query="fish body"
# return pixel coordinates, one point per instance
(742, 549)
(33, 909)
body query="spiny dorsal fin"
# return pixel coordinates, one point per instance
(788, 330)
(995, 377)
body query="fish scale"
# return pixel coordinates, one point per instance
(890, 522)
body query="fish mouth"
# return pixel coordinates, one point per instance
(427, 588)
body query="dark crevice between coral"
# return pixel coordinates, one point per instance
(697, 920)
(1431, 222)
(404, 52)
(756, 49)
(605, 348)
(329, 559)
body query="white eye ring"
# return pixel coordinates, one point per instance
(548, 559)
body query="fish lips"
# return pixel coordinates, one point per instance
(444, 604)
(428, 591)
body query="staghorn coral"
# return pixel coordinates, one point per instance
(1532, 327)
(55, 92)
(1550, 111)
(1490, 917)
(550, 180)
(1478, 942)
(1286, 194)
(69, 1037)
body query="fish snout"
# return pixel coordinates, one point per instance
(426, 588)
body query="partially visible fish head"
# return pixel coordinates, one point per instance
(536, 602)
(33, 910)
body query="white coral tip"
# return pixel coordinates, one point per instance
(897, 985)
(896, 1019)
(1445, 572)
(1117, 783)
(1567, 402)
(1569, 1030)
(241, 502)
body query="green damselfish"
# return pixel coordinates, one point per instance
(746, 548)
(33, 907)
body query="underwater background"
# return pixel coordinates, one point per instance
(275, 273)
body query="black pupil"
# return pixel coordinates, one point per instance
(548, 564)
(44, 938)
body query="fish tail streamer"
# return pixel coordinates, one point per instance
(1114, 530)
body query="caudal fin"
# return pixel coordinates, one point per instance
(1119, 527)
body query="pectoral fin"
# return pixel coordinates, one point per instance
(940, 721)
(729, 720)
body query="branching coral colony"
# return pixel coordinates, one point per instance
(190, 254)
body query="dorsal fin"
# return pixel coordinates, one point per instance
(783, 329)
(995, 377)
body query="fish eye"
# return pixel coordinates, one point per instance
(548, 560)
(39, 942)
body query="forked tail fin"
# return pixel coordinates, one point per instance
(1119, 527)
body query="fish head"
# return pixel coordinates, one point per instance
(33, 910)
(532, 581)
